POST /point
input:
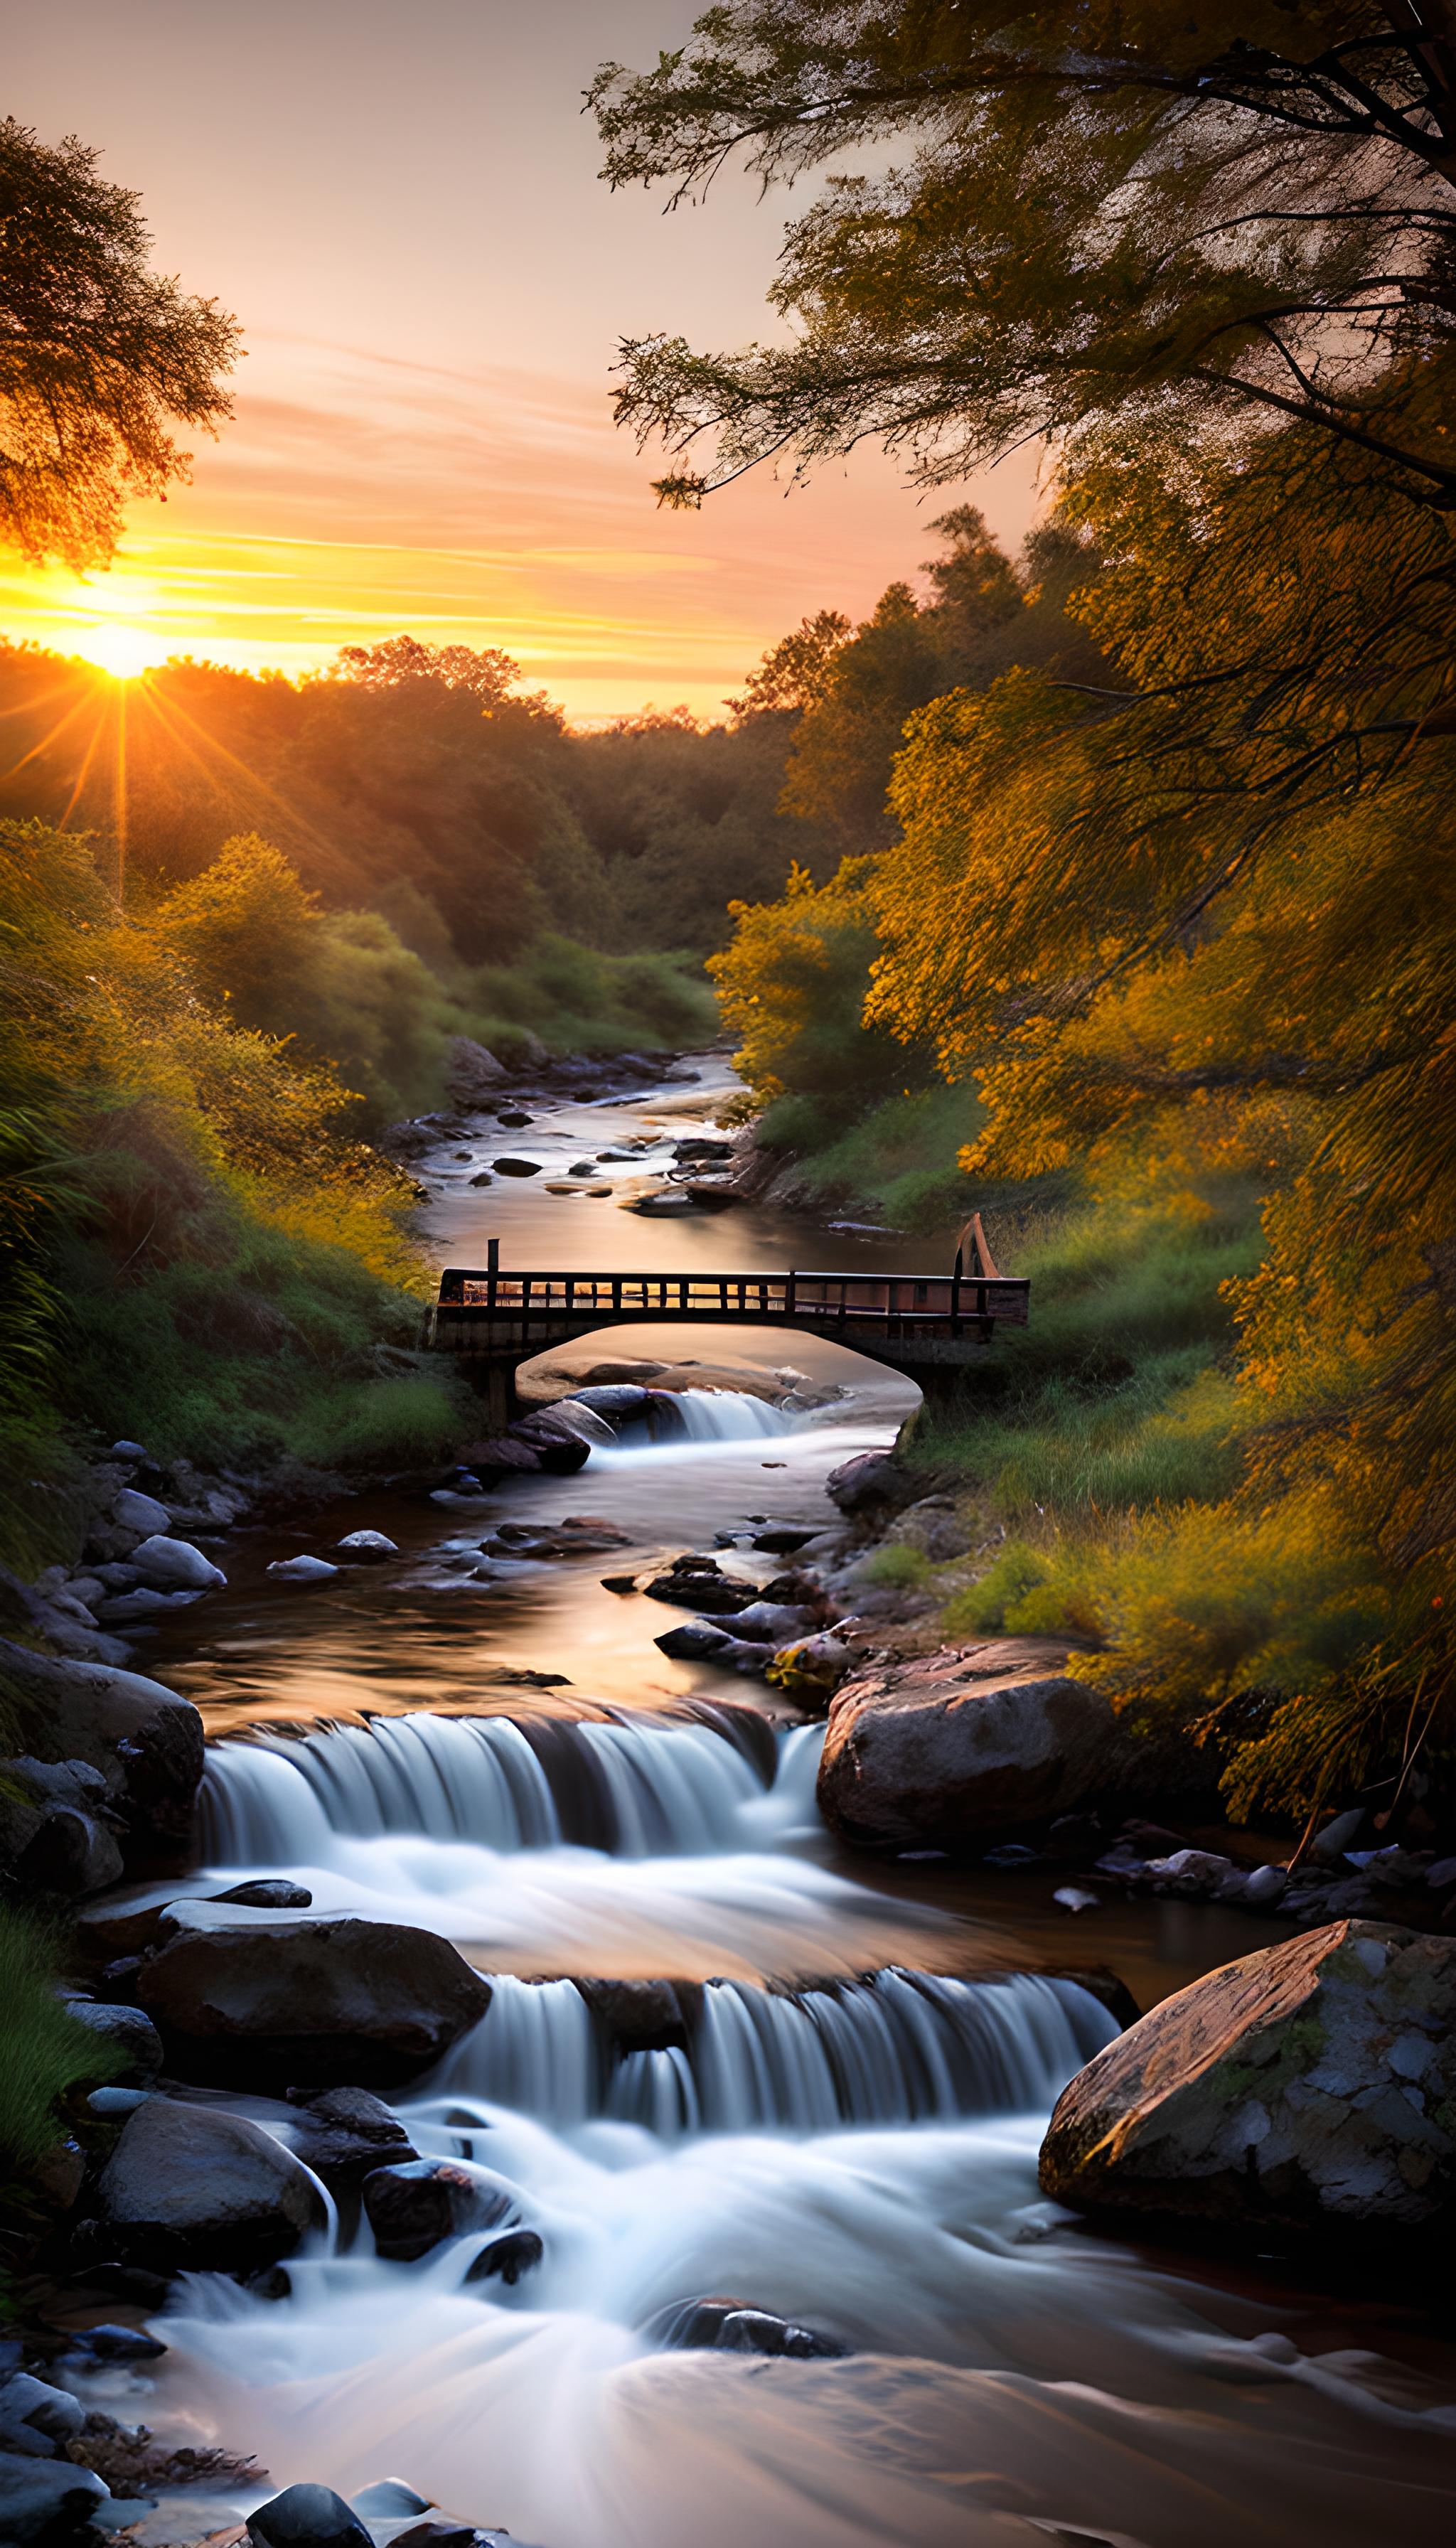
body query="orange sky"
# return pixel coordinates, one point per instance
(400, 205)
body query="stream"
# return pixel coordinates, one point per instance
(849, 2134)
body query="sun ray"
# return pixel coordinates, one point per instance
(81, 776)
(55, 735)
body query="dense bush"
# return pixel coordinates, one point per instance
(194, 1245)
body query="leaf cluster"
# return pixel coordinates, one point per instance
(99, 357)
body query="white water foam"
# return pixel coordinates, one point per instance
(454, 1824)
(896, 2049)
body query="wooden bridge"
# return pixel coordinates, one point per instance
(925, 1325)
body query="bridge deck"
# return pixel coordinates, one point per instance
(899, 1318)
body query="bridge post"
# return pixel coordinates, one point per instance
(494, 1382)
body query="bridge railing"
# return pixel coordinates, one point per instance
(476, 1307)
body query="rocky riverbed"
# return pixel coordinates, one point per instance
(564, 2008)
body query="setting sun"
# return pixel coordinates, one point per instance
(123, 652)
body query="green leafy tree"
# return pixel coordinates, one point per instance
(794, 674)
(1140, 214)
(99, 357)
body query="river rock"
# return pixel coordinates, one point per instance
(265, 1893)
(513, 1167)
(772, 1623)
(146, 1741)
(45, 2501)
(307, 2517)
(189, 2187)
(129, 2032)
(35, 2420)
(56, 1832)
(366, 1548)
(694, 1641)
(345, 2133)
(472, 1071)
(303, 1570)
(507, 2258)
(871, 1484)
(736, 2327)
(141, 1514)
(175, 1566)
(810, 1670)
(971, 1745)
(266, 1999)
(415, 2205)
(1307, 2083)
(644, 2016)
(698, 1583)
(502, 1456)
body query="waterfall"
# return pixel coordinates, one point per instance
(644, 1790)
(899, 2047)
(729, 1416)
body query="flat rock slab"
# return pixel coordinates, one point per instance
(265, 1999)
(1307, 2083)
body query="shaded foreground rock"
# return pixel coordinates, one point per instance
(146, 1742)
(307, 2517)
(188, 2186)
(45, 2500)
(270, 2001)
(973, 1743)
(1309, 2082)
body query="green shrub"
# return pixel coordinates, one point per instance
(580, 1001)
(895, 1568)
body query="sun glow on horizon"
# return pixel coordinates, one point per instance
(122, 651)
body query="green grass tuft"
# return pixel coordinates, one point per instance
(47, 2051)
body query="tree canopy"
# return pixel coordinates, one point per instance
(1197, 216)
(1181, 919)
(99, 357)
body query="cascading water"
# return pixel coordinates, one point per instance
(895, 2048)
(634, 1849)
(856, 2152)
(729, 1416)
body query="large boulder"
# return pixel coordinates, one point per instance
(145, 1740)
(263, 1999)
(190, 2187)
(963, 1746)
(1309, 2082)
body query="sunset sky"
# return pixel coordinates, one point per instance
(401, 206)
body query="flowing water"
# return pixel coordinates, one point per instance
(840, 2126)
